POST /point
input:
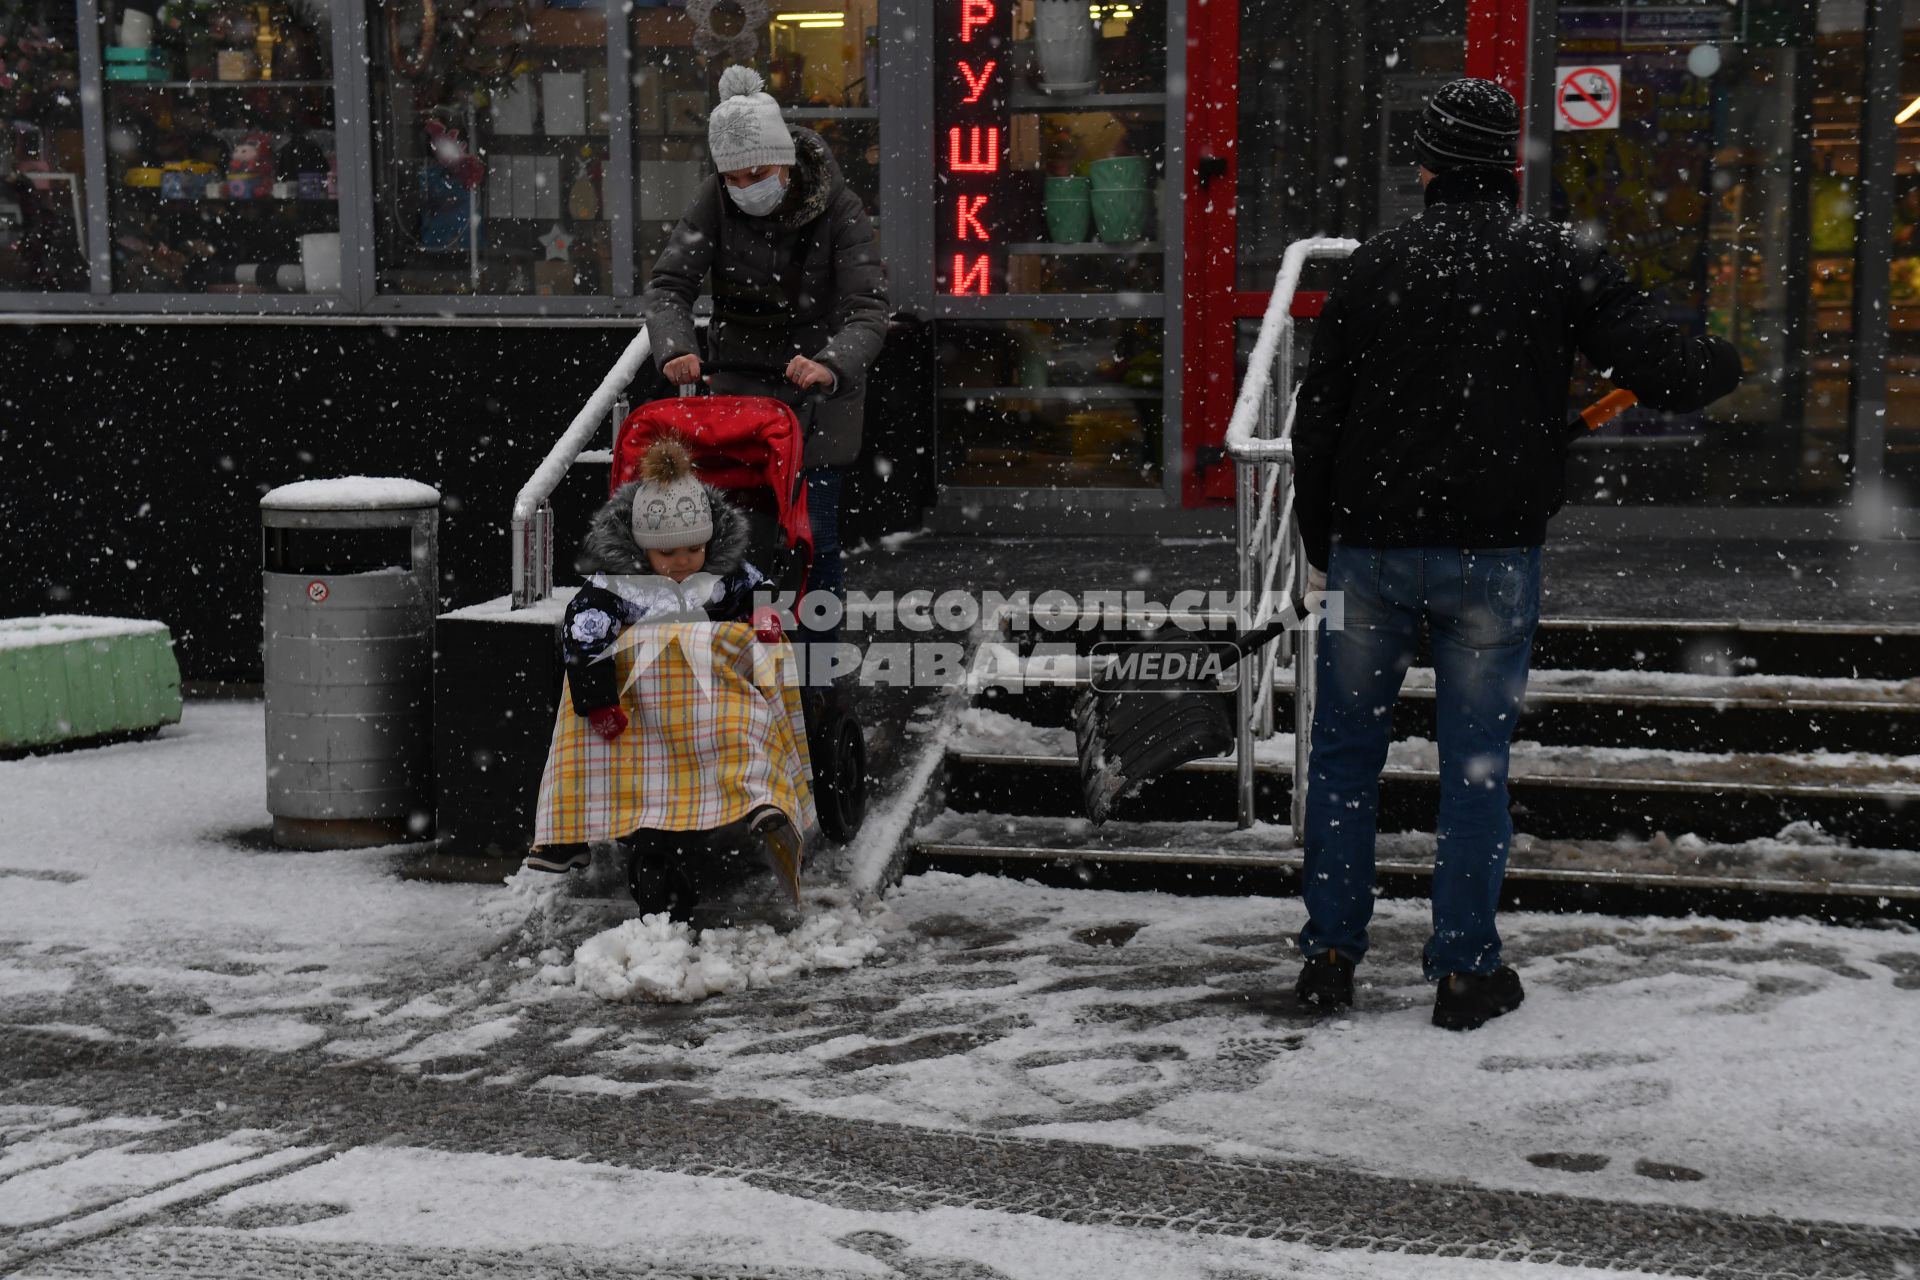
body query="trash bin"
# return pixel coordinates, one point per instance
(350, 589)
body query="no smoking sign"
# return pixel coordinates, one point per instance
(1587, 97)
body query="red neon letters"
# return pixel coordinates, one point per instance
(973, 277)
(972, 38)
(979, 159)
(974, 13)
(976, 84)
(970, 226)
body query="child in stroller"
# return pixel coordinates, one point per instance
(673, 739)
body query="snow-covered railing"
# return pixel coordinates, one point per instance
(1273, 566)
(532, 532)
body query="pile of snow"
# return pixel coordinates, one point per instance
(661, 959)
(352, 493)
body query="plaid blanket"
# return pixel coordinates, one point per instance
(710, 738)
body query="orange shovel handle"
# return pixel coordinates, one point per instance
(1607, 408)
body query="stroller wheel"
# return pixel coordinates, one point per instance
(840, 779)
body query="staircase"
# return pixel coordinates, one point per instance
(1670, 764)
(1677, 764)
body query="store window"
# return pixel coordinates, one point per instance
(1724, 181)
(220, 148)
(43, 225)
(1903, 364)
(1050, 162)
(1086, 149)
(490, 134)
(1071, 403)
(1329, 96)
(821, 63)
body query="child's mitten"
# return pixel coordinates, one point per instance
(608, 722)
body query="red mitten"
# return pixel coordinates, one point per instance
(608, 722)
(766, 625)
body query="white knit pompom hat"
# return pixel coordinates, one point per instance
(670, 507)
(745, 130)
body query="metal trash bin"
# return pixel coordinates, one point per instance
(350, 590)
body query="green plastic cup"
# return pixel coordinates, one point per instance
(1120, 216)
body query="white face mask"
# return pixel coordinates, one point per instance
(760, 198)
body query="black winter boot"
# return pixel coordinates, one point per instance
(1469, 1000)
(1326, 982)
(656, 878)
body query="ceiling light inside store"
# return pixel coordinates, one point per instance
(834, 23)
(1110, 12)
(1908, 112)
(839, 19)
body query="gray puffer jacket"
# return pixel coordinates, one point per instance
(806, 279)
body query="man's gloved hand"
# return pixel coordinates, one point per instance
(608, 722)
(1316, 579)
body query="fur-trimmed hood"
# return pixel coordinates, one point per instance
(815, 180)
(609, 546)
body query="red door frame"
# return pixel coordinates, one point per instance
(1496, 49)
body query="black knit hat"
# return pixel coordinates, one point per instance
(1468, 123)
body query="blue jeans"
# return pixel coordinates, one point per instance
(1481, 607)
(829, 572)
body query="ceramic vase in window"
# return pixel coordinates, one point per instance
(1063, 41)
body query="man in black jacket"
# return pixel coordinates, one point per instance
(1430, 447)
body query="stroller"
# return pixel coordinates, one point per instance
(751, 447)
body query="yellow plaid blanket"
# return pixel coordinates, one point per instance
(713, 733)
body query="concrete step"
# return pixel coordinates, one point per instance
(1797, 870)
(998, 764)
(1666, 710)
(1831, 650)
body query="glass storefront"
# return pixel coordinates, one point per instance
(1055, 197)
(491, 128)
(1339, 163)
(821, 62)
(1724, 180)
(43, 222)
(221, 152)
(1037, 172)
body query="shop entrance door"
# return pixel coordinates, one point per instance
(1307, 130)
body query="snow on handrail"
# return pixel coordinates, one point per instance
(590, 420)
(1276, 327)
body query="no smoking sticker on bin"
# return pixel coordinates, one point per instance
(317, 591)
(1587, 97)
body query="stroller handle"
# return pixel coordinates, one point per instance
(808, 410)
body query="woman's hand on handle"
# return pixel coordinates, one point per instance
(807, 374)
(682, 370)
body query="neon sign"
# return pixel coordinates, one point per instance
(970, 109)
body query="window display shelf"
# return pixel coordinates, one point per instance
(1049, 249)
(830, 113)
(195, 86)
(1059, 104)
(1105, 392)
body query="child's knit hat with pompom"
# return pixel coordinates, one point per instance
(745, 130)
(670, 507)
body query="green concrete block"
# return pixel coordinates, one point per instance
(66, 678)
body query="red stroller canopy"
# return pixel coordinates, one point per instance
(742, 444)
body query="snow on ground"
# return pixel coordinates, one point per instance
(660, 959)
(141, 877)
(1755, 1067)
(574, 1215)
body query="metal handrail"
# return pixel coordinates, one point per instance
(1259, 440)
(532, 532)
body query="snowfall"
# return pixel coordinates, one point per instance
(1764, 1068)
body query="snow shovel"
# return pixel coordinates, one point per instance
(1131, 731)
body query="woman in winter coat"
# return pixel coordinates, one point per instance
(799, 289)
